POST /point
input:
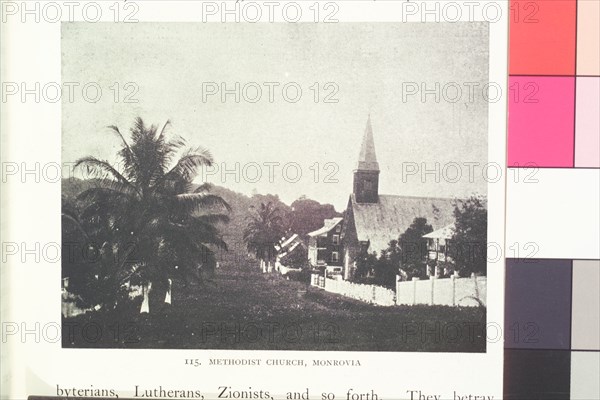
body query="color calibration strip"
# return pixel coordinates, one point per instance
(554, 84)
(552, 312)
(552, 329)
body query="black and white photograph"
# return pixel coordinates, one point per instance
(277, 186)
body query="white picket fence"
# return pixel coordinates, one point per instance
(368, 293)
(454, 291)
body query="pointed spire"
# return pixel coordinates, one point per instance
(367, 160)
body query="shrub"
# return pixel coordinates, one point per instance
(299, 276)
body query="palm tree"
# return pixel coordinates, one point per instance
(158, 224)
(263, 232)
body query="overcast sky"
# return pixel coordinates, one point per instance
(370, 63)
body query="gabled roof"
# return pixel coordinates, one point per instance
(290, 249)
(444, 233)
(386, 220)
(328, 225)
(288, 241)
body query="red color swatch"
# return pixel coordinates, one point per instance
(542, 37)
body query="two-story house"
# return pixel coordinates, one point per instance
(325, 247)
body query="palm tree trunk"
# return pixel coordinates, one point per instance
(145, 308)
(168, 295)
(155, 296)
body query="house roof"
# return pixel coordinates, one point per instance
(386, 220)
(328, 225)
(290, 250)
(288, 241)
(444, 233)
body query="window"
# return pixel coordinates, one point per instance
(338, 228)
(336, 239)
(335, 256)
(368, 185)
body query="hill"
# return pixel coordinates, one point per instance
(303, 216)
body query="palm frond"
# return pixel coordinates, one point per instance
(205, 187)
(214, 218)
(195, 202)
(74, 220)
(126, 152)
(111, 187)
(163, 130)
(100, 169)
(188, 165)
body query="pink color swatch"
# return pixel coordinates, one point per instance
(588, 37)
(587, 138)
(541, 121)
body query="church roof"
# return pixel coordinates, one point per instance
(367, 160)
(386, 220)
(444, 233)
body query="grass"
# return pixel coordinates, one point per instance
(244, 309)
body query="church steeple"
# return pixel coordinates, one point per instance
(366, 175)
(367, 160)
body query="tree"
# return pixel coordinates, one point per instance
(386, 267)
(308, 215)
(296, 258)
(148, 221)
(78, 268)
(469, 242)
(365, 266)
(263, 231)
(413, 247)
(388, 264)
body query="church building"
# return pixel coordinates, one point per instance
(372, 220)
